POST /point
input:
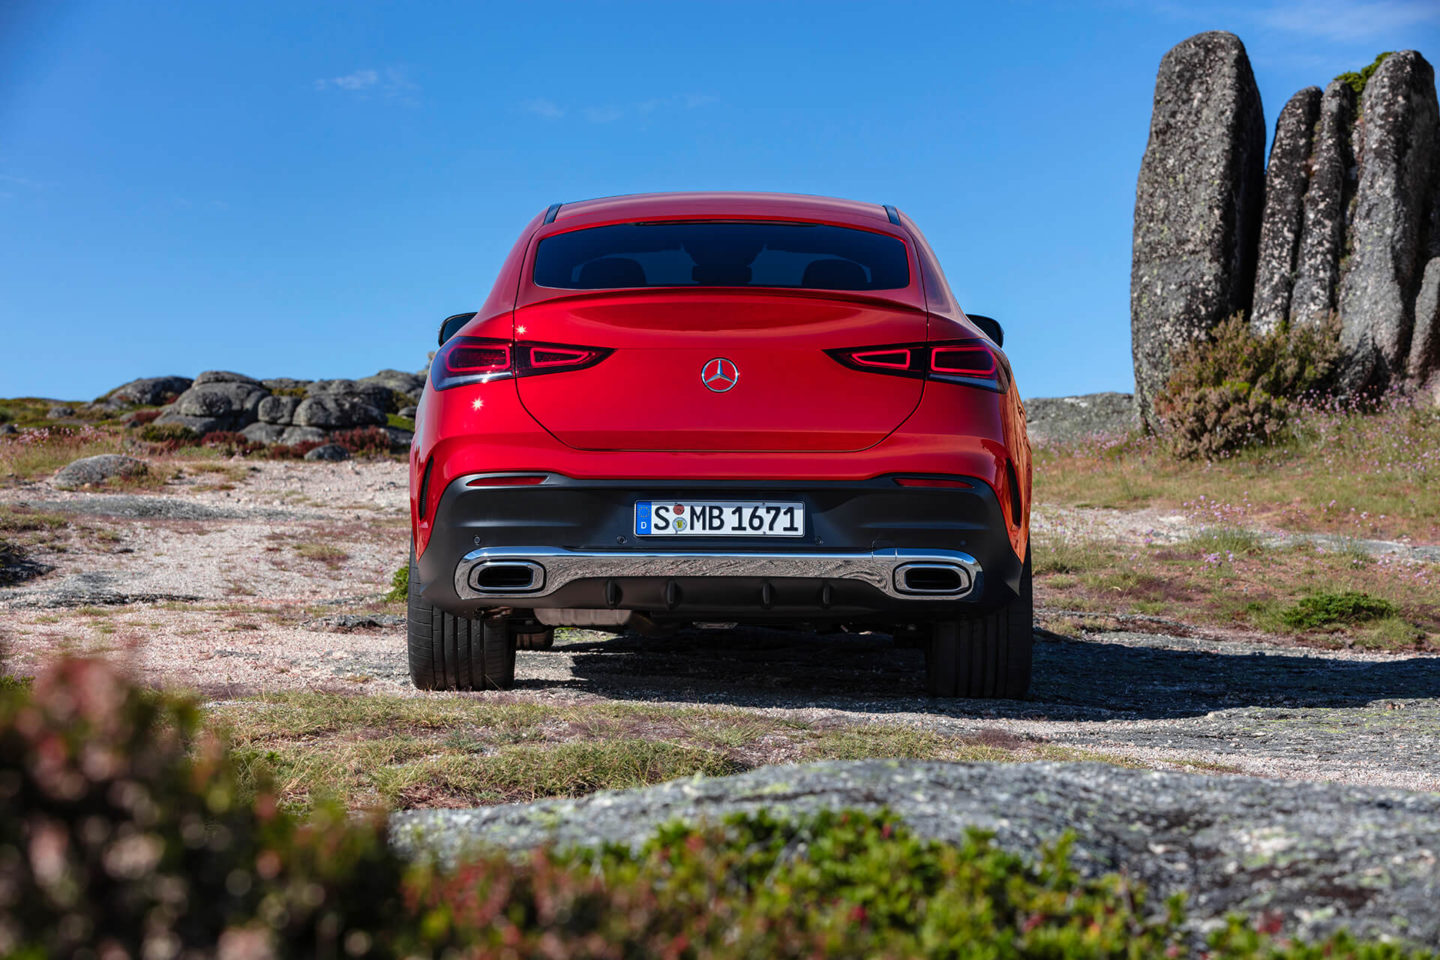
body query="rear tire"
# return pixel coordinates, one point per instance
(988, 656)
(453, 653)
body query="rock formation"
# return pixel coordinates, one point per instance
(281, 410)
(1397, 138)
(1198, 204)
(1286, 180)
(1350, 224)
(1331, 185)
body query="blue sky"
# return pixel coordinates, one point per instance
(307, 189)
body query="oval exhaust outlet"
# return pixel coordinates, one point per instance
(931, 578)
(507, 576)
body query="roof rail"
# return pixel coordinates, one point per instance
(890, 212)
(552, 211)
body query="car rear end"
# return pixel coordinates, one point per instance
(714, 408)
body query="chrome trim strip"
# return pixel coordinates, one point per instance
(562, 567)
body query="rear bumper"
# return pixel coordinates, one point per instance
(853, 563)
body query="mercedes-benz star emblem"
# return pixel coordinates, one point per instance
(719, 374)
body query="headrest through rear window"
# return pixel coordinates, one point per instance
(834, 275)
(720, 274)
(612, 272)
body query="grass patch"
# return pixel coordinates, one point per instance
(1343, 471)
(415, 752)
(39, 453)
(327, 553)
(1226, 579)
(1329, 609)
(21, 520)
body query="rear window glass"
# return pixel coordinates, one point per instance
(722, 254)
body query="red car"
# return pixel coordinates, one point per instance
(701, 408)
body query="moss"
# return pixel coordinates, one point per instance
(1357, 81)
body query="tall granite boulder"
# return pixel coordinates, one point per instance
(1327, 199)
(1197, 206)
(1398, 133)
(1423, 367)
(1286, 180)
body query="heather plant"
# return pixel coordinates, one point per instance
(1238, 389)
(363, 441)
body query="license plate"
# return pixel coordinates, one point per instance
(719, 518)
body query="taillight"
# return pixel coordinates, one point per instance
(466, 360)
(974, 363)
(513, 480)
(930, 482)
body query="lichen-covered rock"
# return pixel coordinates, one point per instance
(277, 409)
(232, 400)
(1332, 184)
(409, 384)
(1399, 133)
(1424, 362)
(337, 412)
(1321, 856)
(96, 470)
(294, 435)
(1285, 181)
(331, 452)
(376, 395)
(59, 412)
(261, 432)
(150, 391)
(226, 376)
(1197, 205)
(1068, 419)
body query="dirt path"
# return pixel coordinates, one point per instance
(269, 577)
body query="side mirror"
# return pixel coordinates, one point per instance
(452, 325)
(988, 326)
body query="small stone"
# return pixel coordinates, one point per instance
(60, 413)
(266, 433)
(96, 470)
(329, 452)
(8, 428)
(294, 435)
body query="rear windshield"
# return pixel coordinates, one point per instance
(714, 254)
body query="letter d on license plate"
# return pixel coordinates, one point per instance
(719, 518)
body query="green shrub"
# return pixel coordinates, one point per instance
(399, 586)
(1358, 81)
(1237, 389)
(1329, 609)
(300, 392)
(169, 434)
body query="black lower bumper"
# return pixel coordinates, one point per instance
(854, 530)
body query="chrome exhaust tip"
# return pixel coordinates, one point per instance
(932, 579)
(507, 576)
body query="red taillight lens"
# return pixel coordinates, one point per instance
(466, 360)
(542, 358)
(525, 480)
(967, 361)
(930, 482)
(883, 359)
(971, 362)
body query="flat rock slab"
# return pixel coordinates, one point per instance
(1323, 856)
(158, 508)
